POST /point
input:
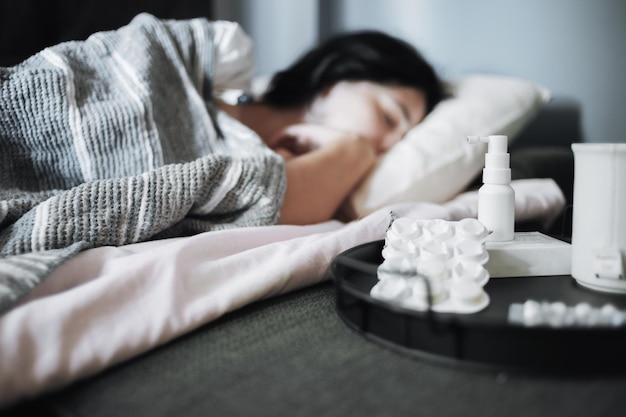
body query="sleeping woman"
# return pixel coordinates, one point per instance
(334, 111)
(130, 135)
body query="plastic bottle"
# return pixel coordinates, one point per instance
(496, 197)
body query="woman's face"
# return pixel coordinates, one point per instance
(381, 113)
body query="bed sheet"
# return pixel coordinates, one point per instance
(110, 304)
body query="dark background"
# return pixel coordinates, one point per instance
(28, 26)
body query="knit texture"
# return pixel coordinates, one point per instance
(115, 140)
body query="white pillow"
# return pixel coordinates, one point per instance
(434, 162)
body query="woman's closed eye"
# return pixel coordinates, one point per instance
(389, 120)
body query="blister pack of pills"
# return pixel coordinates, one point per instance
(438, 257)
(558, 314)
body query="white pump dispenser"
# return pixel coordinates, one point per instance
(496, 198)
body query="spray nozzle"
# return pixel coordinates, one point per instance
(477, 139)
(497, 143)
(497, 160)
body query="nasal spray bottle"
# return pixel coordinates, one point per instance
(496, 198)
(512, 254)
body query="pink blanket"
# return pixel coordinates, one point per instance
(110, 304)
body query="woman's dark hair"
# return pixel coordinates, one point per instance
(359, 56)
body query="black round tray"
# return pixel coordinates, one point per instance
(485, 339)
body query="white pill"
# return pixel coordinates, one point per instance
(582, 313)
(419, 291)
(435, 250)
(471, 250)
(466, 292)
(440, 230)
(392, 288)
(434, 269)
(394, 247)
(611, 316)
(405, 228)
(557, 315)
(532, 313)
(470, 228)
(394, 267)
(470, 271)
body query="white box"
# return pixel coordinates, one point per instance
(529, 254)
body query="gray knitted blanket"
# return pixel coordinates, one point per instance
(116, 140)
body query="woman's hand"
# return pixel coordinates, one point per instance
(299, 139)
(323, 167)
